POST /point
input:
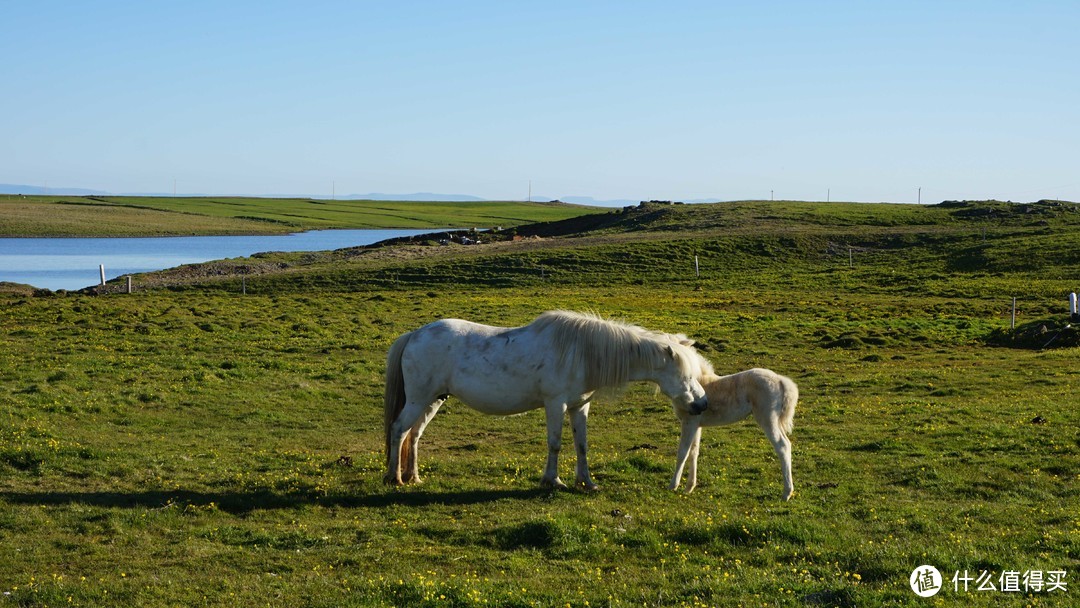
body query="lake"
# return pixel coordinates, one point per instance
(72, 263)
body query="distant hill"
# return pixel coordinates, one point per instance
(39, 190)
(377, 196)
(372, 196)
(416, 196)
(891, 248)
(592, 202)
(617, 202)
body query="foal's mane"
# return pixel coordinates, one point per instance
(607, 350)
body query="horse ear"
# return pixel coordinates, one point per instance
(670, 351)
(682, 339)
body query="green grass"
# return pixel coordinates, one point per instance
(150, 216)
(199, 447)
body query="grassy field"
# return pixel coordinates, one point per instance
(193, 446)
(170, 216)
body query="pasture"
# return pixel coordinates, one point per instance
(185, 216)
(199, 447)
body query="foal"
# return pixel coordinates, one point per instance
(770, 397)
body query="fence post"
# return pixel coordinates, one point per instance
(129, 284)
(1013, 326)
(101, 269)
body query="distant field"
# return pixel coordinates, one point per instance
(193, 446)
(149, 216)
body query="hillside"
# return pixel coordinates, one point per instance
(934, 250)
(968, 255)
(120, 216)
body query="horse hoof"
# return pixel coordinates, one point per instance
(588, 487)
(392, 480)
(788, 495)
(552, 484)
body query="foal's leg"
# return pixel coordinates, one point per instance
(578, 422)
(782, 446)
(690, 428)
(691, 473)
(411, 466)
(554, 413)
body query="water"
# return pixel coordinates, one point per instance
(72, 263)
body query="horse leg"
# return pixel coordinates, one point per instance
(691, 473)
(405, 420)
(782, 446)
(554, 413)
(690, 427)
(411, 466)
(578, 422)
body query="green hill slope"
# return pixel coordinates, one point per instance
(948, 250)
(151, 216)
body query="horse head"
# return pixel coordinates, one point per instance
(678, 379)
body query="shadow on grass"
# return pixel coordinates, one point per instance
(246, 502)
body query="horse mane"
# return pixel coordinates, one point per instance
(607, 349)
(706, 368)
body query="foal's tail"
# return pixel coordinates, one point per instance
(790, 398)
(394, 393)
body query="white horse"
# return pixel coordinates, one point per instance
(770, 397)
(556, 362)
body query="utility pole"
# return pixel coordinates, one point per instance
(920, 195)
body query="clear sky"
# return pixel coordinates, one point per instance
(860, 100)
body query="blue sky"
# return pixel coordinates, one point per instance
(865, 101)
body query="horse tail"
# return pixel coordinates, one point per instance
(790, 397)
(394, 392)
